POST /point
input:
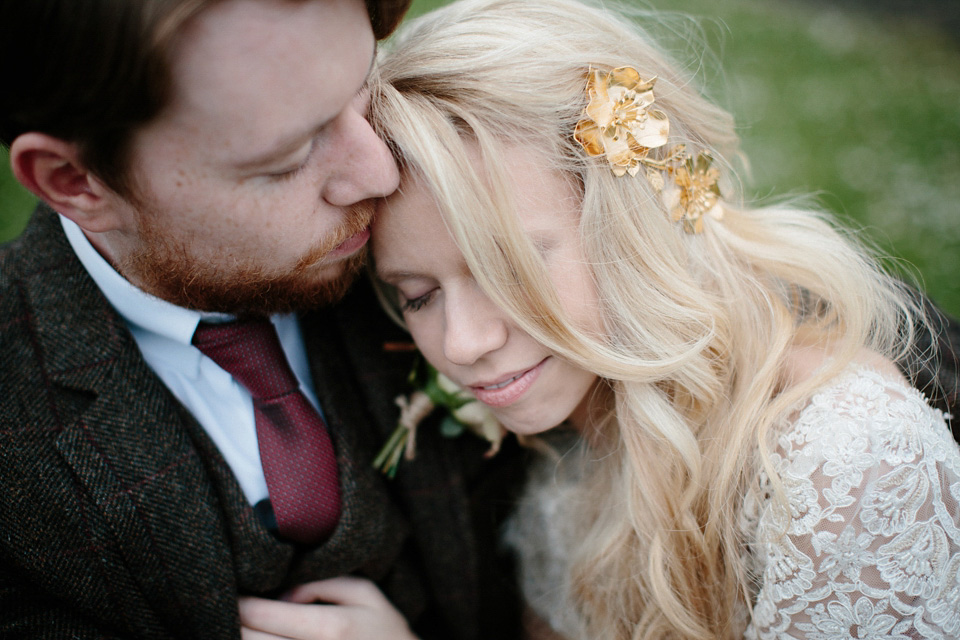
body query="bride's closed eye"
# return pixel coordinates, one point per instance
(416, 303)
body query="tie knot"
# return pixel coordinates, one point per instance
(250, 351)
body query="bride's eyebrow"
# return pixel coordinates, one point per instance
(395, 275)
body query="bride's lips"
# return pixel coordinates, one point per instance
(351, 245)
(512, 387)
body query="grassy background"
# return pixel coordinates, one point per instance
(860, 107)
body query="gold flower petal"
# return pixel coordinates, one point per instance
(596, 86)
(588, 134)
(625, 77)
(652, 131)
(655, 178)
(644, 99)
(600, 107)
(716, 212)
(679, 211)
(619, 151)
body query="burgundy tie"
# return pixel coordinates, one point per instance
(295, 449)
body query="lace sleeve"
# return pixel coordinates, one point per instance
(872, 544)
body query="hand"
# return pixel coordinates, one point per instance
(335, 609)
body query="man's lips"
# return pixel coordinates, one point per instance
(507, 389)
(351, 245)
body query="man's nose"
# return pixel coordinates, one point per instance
(362, 165)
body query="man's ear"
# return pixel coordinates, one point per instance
(52, 170)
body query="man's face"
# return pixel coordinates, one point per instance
(254, 184)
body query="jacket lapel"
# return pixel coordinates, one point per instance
(126, 442)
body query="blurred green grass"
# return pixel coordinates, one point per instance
(861, 109)
(15, 201)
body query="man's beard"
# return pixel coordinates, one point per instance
(165, 267)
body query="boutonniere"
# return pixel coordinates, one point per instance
(434, 390)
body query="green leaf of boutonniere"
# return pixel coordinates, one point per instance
(450, 427)
(432, 389)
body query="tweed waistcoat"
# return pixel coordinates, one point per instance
(370, 537)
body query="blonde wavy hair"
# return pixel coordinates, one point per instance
(698, 327)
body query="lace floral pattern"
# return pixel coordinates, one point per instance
(871, 548)
(872, 545)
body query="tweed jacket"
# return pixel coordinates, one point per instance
(119, 518)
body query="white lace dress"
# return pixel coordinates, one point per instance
(873, 543)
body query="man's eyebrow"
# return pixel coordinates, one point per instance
(287, 145)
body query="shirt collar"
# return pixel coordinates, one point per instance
(139, 308)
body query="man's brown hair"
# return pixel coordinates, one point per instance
(94, 71)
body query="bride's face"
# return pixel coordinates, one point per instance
(461, 331)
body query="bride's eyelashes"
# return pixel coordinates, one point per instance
(417, 303)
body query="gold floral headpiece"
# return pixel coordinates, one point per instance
(618, 122)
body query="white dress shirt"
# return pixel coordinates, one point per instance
(163, 332)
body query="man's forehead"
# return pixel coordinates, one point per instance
(251, 64)
(237, 36)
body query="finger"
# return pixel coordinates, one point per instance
(345, 590)
(246, 633)
(288, 619)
